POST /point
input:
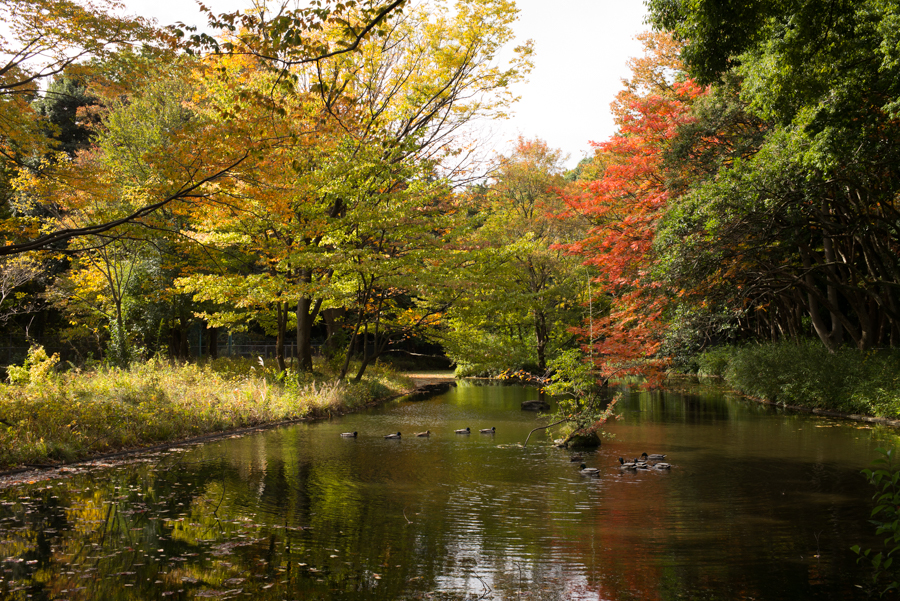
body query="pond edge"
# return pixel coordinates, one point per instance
(424, 388)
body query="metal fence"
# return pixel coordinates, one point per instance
(15, 355)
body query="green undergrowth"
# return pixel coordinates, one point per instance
(50, 415)
(807, 374)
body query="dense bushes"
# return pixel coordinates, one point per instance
(885, 477)
(807, 374)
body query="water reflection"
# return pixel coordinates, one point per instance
(758, 505)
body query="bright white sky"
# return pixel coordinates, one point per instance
(580, 51)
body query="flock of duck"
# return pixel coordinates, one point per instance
(490, 430)
(644, 462)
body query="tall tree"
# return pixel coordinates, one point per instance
(344, 208)
(805, 227)
(524, 289)
(47, 37)
(624, 206)
(41, 40)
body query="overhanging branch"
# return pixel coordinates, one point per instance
(43, 242)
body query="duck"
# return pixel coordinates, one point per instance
(425, 433)
(490, 430)
(348, 434)
(633, 464)
(397, 435)
(589, 471)
(652, 457)
(465, 431)
(662, 466)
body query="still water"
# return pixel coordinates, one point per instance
(759, 504)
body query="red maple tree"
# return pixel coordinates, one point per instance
(624, 204)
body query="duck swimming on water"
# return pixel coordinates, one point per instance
(425, 433)
(652, 457)
(348, 434)
(589, 471)
(397, 435)
(465, 431)
(490, 430)
(633, 464)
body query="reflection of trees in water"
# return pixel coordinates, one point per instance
(266, 526)
(290, 514)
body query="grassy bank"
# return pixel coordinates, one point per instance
(807, 375)
(51, 416)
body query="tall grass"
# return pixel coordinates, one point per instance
(49, 415)
(807, 374)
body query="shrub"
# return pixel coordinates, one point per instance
(807, 374)
(713, 362)
(886, 518)
(38, 367)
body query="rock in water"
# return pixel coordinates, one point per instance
(584, 441)
(535, 405)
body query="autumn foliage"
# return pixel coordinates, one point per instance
(624, 204)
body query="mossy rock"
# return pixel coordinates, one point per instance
(584, 441)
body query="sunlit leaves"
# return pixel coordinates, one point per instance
(624, 205)
(522, 291)
(41, 39)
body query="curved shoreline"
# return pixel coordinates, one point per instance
(859, 417)
(424, 384)
(894, 423)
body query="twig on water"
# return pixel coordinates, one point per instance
(543, 428)
(404, 516)
(487, 589)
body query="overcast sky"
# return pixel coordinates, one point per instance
(580, 51)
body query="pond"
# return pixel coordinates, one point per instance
(759, 504)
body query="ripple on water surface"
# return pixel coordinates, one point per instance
(758, 505)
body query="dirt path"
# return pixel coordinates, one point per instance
(431, 377)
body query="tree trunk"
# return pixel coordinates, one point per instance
(281, 312)
(306, 317)
(379, 342)
(178, 347)
(837, 328)
(212, 342)
(540, 331)
(359, 321)
(185, 333)
(121, 350)
(332, 330)
(822, 331)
